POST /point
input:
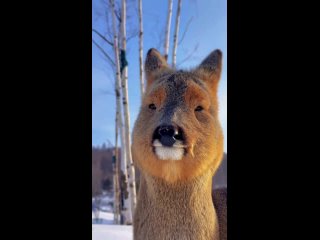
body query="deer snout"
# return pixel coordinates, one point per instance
(168, 134)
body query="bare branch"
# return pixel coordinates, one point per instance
(104, 38)
(118, 14)
(104, 52)
(190, 55)
(109, 28)
(133, 34)
(185, 30)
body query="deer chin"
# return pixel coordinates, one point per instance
(174, 153)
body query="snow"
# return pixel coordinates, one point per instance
(105, 229)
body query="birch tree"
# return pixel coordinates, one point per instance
(118, 127)
(116, 187)
(176, 32)
(125, 103)
(115, 12)
(116, 176)
(167, 34)
(126, 210)
(141, 48)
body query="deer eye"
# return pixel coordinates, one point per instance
(152, 106)
(198, 109)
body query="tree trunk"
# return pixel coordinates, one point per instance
(125, 102)
(126, 209)
(175, 37)
(141, 48)
(116, 203)
(167, 40)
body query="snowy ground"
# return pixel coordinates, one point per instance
(104, 229)
(108, 231)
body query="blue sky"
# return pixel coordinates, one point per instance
(208, 30)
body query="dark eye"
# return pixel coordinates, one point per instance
(198, 109)
(152, 106)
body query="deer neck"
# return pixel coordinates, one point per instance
(183, 210)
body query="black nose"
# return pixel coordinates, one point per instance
(168, 131)
(168, 135)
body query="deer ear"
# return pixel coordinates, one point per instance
(153, 64)
(211, 66)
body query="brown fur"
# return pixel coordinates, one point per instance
(174, 200)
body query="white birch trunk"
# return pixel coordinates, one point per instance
(141, 49)
(167, 34)
(116, 192)
(126, 209)
(125, 102)
(176, 33)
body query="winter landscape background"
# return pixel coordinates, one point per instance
(203, 28)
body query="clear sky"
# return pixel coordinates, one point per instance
(207, 30)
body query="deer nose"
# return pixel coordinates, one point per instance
(168, 135)
(167, 131)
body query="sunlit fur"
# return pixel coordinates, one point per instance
(204, 138)
(174, 200)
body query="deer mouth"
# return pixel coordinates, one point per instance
(174, 152)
